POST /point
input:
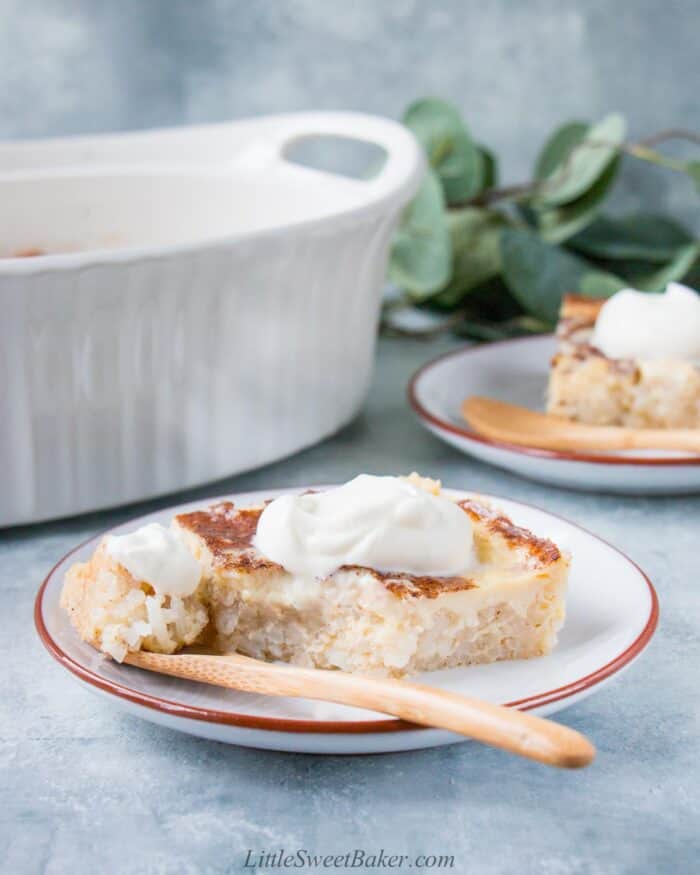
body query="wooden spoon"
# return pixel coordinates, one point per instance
(506, 728)
(518, 425)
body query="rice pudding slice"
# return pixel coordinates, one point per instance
(587, 386)
(361, 620)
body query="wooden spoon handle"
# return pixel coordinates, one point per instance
(506, 728)
(513, 424)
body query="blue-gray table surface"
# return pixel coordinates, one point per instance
(85, 788)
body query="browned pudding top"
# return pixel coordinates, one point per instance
(404, 584)
(222, 526)
(541, 549)
(577, 318)
(228, 534)
(578, 311)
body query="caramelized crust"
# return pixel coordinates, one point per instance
(577, 318)
(581, 309)
(227, 533)
(542, 551)
(411, 585)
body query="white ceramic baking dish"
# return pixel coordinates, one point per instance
(202, 305)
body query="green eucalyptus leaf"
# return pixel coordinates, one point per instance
(652, 276)
(676, 269)
(631, 270)
(481, 330)
(558, 147)
(642, 236)
(692, 278)
(494, 301)
(692, 168)
(475, 234)
(421, 257)
(449, 147)
(490, 165)
(584, 163)
(597, 284)
(539, 274)
(560, 223)
(519, 326)
(527, 214)
(490, 300)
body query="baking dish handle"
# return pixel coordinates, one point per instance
(404, 165)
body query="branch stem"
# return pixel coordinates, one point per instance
(671, 134)
(641, 150)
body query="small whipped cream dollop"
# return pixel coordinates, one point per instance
(644, 326)
(384, 523)
(158, 556)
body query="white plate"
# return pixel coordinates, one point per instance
(516, 371)
(612, 613)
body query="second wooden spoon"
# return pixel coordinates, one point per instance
(518, 425)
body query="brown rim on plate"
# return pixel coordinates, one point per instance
(556, 455)
(281, 724)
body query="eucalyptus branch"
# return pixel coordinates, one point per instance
(506, 269)
(671, 134)
(641, 150)
(492, 195)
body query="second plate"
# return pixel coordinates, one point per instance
(516, 371)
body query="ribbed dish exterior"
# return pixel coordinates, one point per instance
(131, 378)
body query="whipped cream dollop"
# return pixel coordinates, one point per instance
(646, 326)
(158, 556)
(384, 523)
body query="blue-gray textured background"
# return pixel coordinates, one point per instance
(516, 68)
(84, 788)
